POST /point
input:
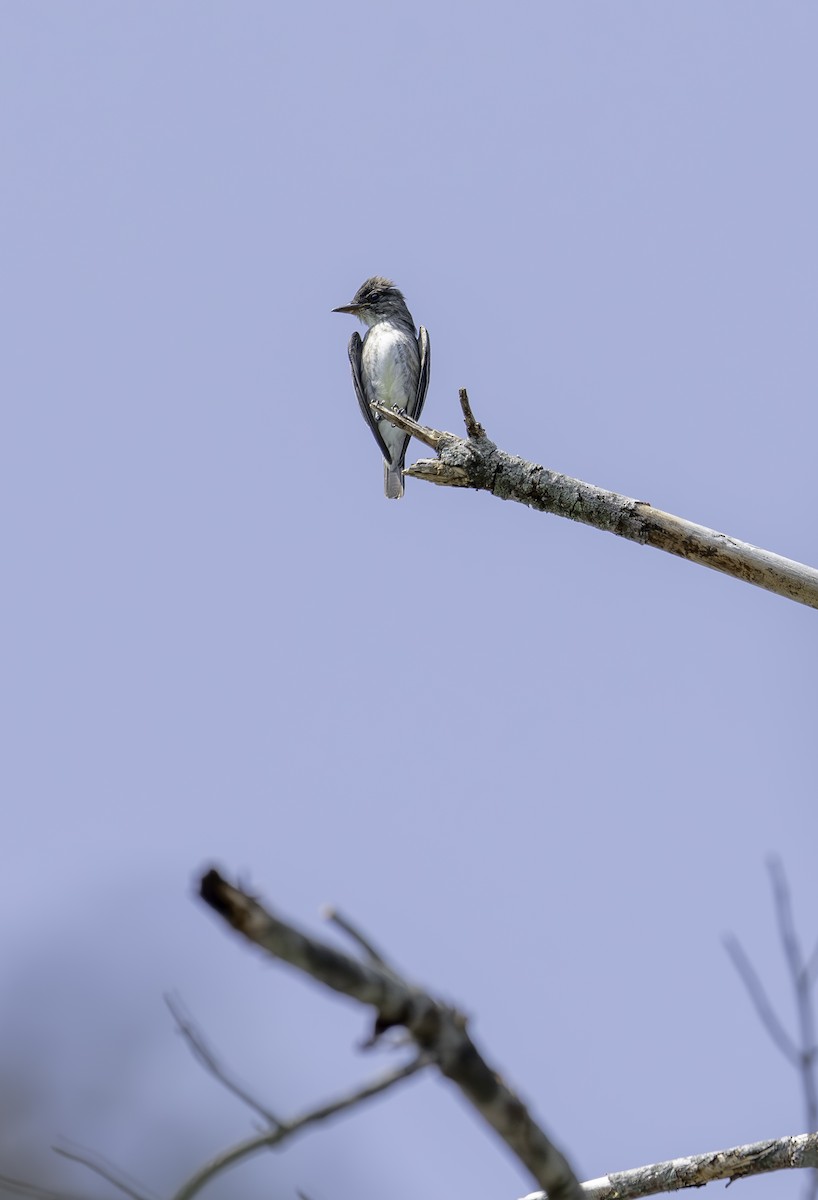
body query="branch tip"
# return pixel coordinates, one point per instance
(473, 427)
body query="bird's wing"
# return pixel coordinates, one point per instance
(355, 345)
(423, 377)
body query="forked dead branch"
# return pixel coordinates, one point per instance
(476, 462)
(438, 1031)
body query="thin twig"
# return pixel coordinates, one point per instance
(337, 918)
(435, 1027)
(803, 1055)
(811, 965)
(100, 1166)
(267, 1141)
(202, 1052)
(783, 912)
(763, 1007)
(21, 1188)
(329, 913)
(799, 973)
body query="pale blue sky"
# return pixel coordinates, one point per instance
(216, 629)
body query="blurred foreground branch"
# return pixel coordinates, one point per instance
(475, 462)
(438, 1030)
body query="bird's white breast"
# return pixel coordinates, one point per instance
(390, 365)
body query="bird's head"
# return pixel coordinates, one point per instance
(375, 300)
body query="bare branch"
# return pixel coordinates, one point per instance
(786, 924)
(266, 1141)
(476, 462)
(436, 1028)
(100, 1166)
(202, 1052)
(777, 1155)
(759, 998)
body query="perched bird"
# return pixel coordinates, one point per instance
(390, 367)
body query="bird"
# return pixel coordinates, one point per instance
(390, 367)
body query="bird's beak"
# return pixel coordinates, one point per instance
(349, 308)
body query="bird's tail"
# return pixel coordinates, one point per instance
(393, 480)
